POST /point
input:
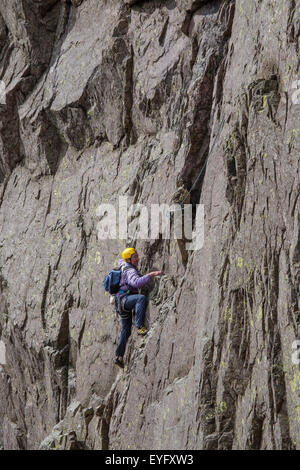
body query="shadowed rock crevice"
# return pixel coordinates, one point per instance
(202, 93)
(29, 36)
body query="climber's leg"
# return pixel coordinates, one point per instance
(125, 333)
(139, 302)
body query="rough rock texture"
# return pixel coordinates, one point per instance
(125, 98)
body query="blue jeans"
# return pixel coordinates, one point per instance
(139, 302)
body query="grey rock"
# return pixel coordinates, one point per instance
(106, 99)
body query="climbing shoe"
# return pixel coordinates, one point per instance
(119, 362)
(142, 331)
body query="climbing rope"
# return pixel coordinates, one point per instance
(168, 214)
(206, 160)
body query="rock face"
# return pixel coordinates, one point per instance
(128, 98)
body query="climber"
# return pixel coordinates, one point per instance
(128, 299)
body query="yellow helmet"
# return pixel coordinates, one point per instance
(127, 253)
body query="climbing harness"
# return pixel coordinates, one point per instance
(120, 302)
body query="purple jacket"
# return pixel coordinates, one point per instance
(131, 278)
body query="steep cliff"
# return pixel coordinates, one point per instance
(109, 98)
